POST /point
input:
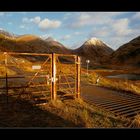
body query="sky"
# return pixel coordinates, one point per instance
(72, 29)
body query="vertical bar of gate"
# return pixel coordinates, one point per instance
(53, 77)
(78, 74)
(6, 78)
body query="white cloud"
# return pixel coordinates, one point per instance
(43, 24)
(117, 32)
(66, 37)
(49, 24)
(92, 18)
(121, 27)
(25, 27)
(100, 32)
(36, 20)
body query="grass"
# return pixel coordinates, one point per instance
(9, 71)
(118, 84)
(65, 113)
(136, 122)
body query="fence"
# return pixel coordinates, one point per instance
(33, 75)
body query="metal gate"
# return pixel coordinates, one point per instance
(38, 76)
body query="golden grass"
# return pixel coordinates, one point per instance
(83, 114)
(136, 122)
(61, 113)
(3, 72)
(67, 113)
(118, 84)
(26, 38)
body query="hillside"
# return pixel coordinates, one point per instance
(93, 49)
(3, 32)
(30, 43)
(127, 54)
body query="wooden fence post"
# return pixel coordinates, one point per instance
(53, 78)
(78, 75)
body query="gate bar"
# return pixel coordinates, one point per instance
(53, 76)
(78, 71)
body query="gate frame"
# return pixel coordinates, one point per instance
(53, 72)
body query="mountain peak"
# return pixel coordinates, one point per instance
(94, 41)
(49, 39)
(4, 32)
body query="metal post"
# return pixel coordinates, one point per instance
(87, 61)
(87, 68)
(78, 73)
(53, 78)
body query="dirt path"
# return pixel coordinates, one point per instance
(119, 103)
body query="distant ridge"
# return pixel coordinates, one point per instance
(127, 54)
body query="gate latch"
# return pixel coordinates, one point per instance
(54, 79)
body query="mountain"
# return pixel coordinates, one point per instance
(49, 39)
(30, 43)
(127, 54)
(95, 50)
(7, 34)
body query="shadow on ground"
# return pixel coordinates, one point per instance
(24, 114)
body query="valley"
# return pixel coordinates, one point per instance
(110, 72)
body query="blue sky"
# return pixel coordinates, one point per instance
(73, 28)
